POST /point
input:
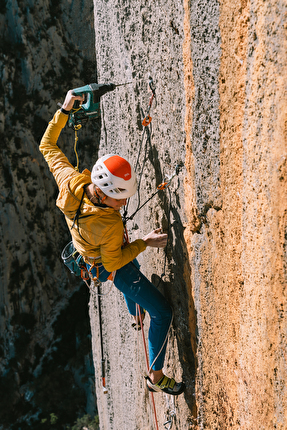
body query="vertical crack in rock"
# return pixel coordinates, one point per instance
(194, 222)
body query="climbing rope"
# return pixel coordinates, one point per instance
(98, 307)
(147, 130)
(147, 364)
(163, 186)
(126, 241)
(149, 367)
(77, 127)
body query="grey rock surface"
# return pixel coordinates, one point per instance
(220, 74)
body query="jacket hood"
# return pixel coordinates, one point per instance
(71, 193)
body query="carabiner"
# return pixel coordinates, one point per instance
(147, 121)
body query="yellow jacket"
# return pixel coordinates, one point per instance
(100, 228)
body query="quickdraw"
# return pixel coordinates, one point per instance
(147, 119)
(160, 187)
(147, 131)
(165, 185)
(168, 424)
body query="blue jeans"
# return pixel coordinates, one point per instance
(137, 289)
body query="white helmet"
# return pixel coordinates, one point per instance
(114, 176)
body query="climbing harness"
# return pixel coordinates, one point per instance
(96, 280)
(77, 263)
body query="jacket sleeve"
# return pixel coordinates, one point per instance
(59, 165)
(113, 256)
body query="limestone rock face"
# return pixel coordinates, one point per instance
(219, 120)
(219, 70)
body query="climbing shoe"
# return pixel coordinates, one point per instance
(137, 325)
(166, 385)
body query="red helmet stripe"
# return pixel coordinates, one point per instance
(119, 167)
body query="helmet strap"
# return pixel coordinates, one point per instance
(101, 200)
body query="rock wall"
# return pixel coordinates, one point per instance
(45, 350)
(219, 69)
(220, 74)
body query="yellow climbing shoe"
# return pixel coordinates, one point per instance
(166, 385)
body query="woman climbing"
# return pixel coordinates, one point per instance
(91, 203)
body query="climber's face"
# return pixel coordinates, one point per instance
(115, 203)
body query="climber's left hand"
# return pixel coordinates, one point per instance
(156, 239)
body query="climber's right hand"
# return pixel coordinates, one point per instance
(70, 100)
(156, 239)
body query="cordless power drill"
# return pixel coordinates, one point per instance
(91, 107)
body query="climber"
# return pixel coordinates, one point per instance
(91, 203)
